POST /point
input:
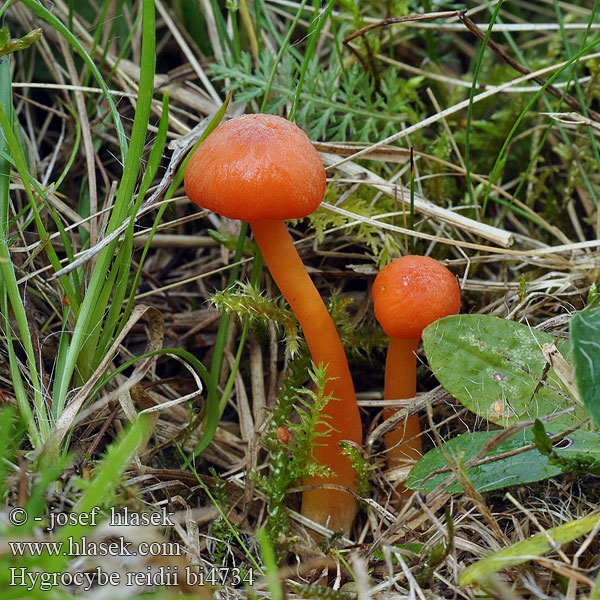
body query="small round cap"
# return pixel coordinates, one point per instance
(413, 292)
(256, 168)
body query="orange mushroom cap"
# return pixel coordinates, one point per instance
(256, 168)
(413, 292)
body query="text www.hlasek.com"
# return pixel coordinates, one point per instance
(23, 577)
(84, 547)
(151, 576)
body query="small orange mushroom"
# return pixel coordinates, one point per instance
(409, 294)
(264, 169)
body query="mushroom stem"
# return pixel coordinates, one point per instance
(333, 508)
(408, 295)
(401, 383)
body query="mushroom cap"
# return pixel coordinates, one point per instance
(256, 168)
(413, 292)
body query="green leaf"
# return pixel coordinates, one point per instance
(101, 489)
(525, 467)
(108, 473)
(541, 439)
(592, 297)
(521, 468)
(495, 368)
(270, 562)
(9, 440)
(43, 13)
(8, 45)
(585, 344)
(527, 550)
(231, 241)
(93, 309)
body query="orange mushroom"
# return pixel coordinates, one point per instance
(409, 294)
(264, 169)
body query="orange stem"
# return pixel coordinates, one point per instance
(327, 507)
(401, 383)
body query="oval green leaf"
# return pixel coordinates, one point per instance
(525, 467)
(495, 368)
(585, 346)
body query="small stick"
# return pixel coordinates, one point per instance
(393, 20)
(572, 102)
(390, 21)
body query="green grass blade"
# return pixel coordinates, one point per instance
(92, 310)
(43, 13)
(125, 253)
(524, 178)
(282, 49)
(108, 473)
(501, 155)
(211, 410)
(100, 491)
(578, 89)
(271, 569)
(257, 269)
(221, 26)
(37, 425)
(220, 341)
(126, 45)
(527, 550)
(310, 52)
(16, 152)
(8, 437)
(478, 63)
(223, 515)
